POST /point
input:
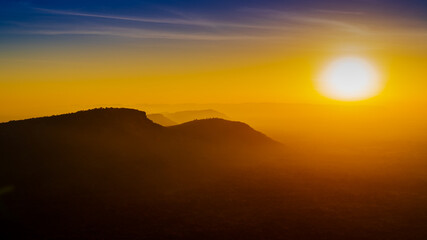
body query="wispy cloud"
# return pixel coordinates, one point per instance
(327, 11)
(306, 18)
(247, 24)
(126, 18)
(147, 34)
(257, 24)
(171, 21)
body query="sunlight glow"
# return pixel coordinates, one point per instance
(349, 79)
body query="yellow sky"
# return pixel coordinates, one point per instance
(43, 79)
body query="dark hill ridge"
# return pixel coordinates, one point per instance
(90, 118)
(102, 130)
(121, 123)
(112, 173)
(216, 129)
(86, 140)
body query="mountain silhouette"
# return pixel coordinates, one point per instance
(190, 115)
(223, 131)
(131, 132)
(69, 172)
(161, 119)
(115, 174)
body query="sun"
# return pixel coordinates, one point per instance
(349, 79)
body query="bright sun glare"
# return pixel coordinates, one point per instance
(349, 79)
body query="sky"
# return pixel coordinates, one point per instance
(79, 54)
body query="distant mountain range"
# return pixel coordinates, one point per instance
(169, 119)
(161, 119)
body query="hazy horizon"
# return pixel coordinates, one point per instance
(213, 119)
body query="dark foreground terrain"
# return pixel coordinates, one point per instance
(114, 174)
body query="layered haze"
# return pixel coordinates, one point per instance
(261, 119)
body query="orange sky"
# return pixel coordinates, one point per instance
(56, 73)
(201, 74)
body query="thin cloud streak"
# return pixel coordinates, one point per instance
(273, 24)
(282, 24)
(338, 12)
(172, 21)
(147, 34)
(305, 18)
